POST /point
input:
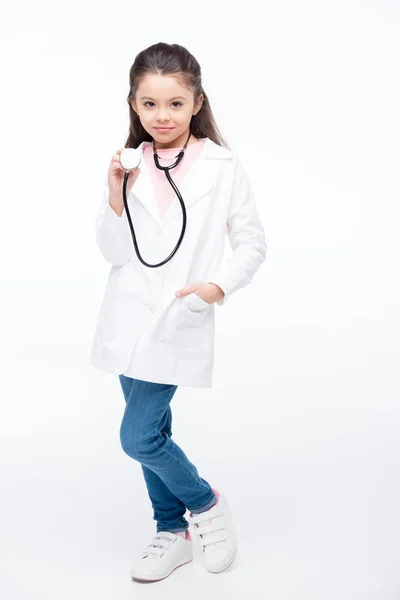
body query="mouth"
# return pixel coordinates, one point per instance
(163, 129)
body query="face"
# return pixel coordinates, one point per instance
(163, 101)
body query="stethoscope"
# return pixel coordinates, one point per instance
(130, 159)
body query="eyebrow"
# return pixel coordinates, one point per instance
(148, 97)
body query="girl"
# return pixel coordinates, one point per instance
(156, 325)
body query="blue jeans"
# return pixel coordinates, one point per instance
(172, 481)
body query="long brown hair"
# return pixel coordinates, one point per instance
(171, 59)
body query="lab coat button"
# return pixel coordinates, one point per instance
(159, 232)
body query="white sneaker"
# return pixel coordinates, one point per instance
(214, 530)
(163, 555)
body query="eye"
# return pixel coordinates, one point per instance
(150, 102)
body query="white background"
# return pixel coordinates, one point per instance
(301, 428)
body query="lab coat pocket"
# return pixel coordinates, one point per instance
(187, 323)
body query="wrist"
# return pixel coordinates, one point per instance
(117, 206)
(218, 290)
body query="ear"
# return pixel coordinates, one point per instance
(198, 104)
(133, 105)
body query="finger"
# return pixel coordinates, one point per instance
(117, 164)
(185, 290)
(116, 156)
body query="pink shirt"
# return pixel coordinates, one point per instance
(163, 190)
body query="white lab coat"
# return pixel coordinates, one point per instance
(143, 329)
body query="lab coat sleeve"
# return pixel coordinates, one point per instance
(113, 235)
(246, 238)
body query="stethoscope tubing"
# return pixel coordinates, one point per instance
(175, 188)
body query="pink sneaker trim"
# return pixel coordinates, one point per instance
(184, 534)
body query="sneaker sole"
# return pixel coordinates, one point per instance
(227, 564)
(178, 564)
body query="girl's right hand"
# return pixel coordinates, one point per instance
(116, 174)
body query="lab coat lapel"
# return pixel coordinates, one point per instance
(198, 181)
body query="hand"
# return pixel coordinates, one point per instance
(116, 174)
(209, 292)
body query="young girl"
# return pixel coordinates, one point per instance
(156, 325)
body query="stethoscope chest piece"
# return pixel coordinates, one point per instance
(130, 158)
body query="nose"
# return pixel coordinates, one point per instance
(163, 117)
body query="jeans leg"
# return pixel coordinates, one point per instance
(144, 439)
(168, 510)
